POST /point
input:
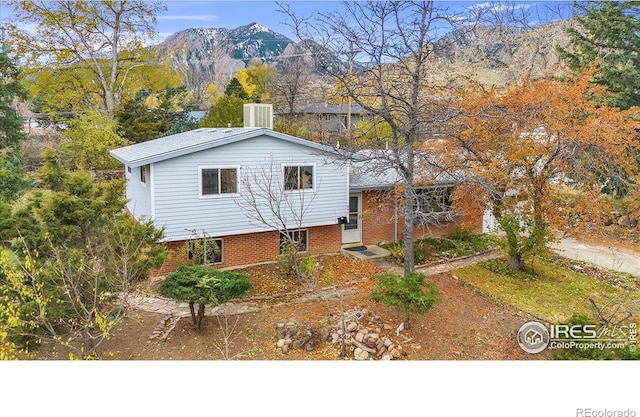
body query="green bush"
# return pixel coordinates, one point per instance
(197, 284)
(410, 293)
(459, 243)
(204, 285)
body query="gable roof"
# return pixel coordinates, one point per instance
(184, 143)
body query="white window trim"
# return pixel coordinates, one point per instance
(299, 164)
(293, 231)
(219, 195)
(221, 249)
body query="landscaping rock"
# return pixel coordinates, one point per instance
(367, 337)
(624, 221)
(360, 355)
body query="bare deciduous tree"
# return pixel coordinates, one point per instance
(394, 47)
(268, 202)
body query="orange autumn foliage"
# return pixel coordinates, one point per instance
(528, 143)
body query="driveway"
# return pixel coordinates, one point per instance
(606, 256)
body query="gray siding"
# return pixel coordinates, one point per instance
(138, 194)
(180, 209)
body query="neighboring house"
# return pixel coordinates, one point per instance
(330, 120)
(195, 186)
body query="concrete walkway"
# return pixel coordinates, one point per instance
(153, 304)
(605, 256)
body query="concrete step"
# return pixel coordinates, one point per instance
(364, 253)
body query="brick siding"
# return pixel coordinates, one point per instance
(378, 222)
(254, 248)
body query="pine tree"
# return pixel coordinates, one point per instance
(235, 89)
(607, 35)
(12, 171)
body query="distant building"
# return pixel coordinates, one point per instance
(330, 120)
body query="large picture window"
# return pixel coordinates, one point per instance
(296, 237)
(298, 177)
(206, 251)
(215, 181)
(434, 200)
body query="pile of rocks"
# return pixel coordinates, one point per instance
(295, 336)
(624, 220)
(367, 338)
(364, 335)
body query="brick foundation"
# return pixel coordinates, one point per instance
(253, 248)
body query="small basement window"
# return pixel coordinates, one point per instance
(206, 251)
(300, 238)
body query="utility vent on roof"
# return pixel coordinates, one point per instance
(258, 115)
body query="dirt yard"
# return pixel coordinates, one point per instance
(462, 325)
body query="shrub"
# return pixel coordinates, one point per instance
(202, 285)
(410, 293)
(459, 243)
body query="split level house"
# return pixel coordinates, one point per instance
(238, 191)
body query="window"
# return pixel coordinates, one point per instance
(434, 200)
(298, 177)
(206, 251)
(129, 170)
(327, 117)
(214, 181)
(143, 173)
(297, 237)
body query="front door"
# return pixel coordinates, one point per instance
(352, 231)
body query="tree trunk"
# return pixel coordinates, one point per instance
(200, 316)
(516, 263)
(193, 314)
(407, 234)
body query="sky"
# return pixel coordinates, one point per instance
(185, 14)
(232, 14)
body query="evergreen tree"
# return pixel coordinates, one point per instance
(12, 172)
(235, 89)
(149, 116)
(226, 111)
(607, 35)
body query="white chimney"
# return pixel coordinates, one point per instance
(258, 115)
